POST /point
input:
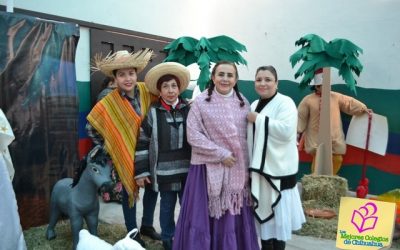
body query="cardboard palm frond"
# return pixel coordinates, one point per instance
(182, 50)
(188, 50)
(317, 53)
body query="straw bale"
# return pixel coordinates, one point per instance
(325, 190)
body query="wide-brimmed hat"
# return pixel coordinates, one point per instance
(122, 59)
(167, 68)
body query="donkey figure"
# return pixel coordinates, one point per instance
(78, 198)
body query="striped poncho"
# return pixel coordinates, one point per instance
(117, 122)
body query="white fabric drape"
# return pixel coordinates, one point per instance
(288, 217)
(10, 227)
(6, 137)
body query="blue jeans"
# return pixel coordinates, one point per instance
(149, 205)
(167, 213)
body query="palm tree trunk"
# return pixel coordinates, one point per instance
(323, 160)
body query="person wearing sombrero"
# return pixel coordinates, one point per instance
(163, 153)
(114, 122)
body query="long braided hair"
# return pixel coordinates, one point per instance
(211, 84)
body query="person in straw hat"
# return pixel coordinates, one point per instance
(163, 153)
(114, 122)
(308, 120)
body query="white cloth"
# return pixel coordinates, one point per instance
(281, 158)
(6, 137)
(10, 227)
(88, 241)
(289, 216)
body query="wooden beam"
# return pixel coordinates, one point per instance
(323, 160)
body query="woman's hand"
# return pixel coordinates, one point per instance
(141, 182)
(229, 161)
(252, 116)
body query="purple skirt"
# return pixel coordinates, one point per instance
(195, 230)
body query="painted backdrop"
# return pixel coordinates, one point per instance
(38, 96)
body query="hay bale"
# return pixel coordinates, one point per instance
(326, 190)
(319, 228)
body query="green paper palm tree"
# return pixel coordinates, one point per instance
(187, 50)
(316, 53)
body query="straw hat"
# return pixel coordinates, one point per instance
(167, 68)
(122, 59)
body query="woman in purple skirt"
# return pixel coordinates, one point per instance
(216, 212)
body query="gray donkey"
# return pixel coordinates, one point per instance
(78, 198)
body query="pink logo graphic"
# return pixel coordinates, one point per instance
(363, 218)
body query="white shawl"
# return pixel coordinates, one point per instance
(281, 158)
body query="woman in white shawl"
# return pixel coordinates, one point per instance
(274, 162)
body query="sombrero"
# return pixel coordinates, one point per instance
(167, 68)
(122, 59)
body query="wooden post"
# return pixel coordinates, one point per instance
(323, 160)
